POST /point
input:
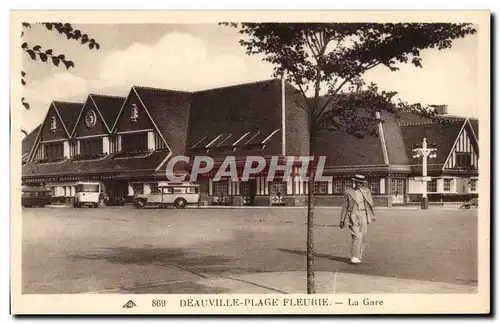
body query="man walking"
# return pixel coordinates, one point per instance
(358, 212)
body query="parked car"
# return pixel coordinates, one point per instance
(35, 196)
(179, 195)
(88, 194)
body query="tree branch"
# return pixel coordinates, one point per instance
(320, 44)
(307, 109)
(336, 91)
(311, 47)
(37, 51)
(70, 33)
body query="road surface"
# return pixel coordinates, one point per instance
(125, 250)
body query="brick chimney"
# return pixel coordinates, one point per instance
(440, 109)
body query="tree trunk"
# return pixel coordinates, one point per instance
(311, 289)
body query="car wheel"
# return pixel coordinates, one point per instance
(140, 203)
(180, 203)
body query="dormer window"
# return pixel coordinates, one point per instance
(134, 113)
(197, 143)
(463, 160)
(242, 137)
(53, 124)
(269, 137)
(212, 142)
(225, 139)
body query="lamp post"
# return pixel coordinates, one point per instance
(424, 152)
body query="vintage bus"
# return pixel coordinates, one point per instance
(165, 194)
(35, 196)
(87, 194)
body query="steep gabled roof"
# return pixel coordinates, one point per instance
(444, 135)
(169, 111)
(28, 143)
(29, 140)
(43, 124)
(253, 108)
(109, 107)
(475, 126)
(342, 149)
(69, 112)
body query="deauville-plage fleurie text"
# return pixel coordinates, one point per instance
(254, 302)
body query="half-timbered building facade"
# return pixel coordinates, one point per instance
(126, 143)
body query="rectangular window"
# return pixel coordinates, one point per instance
(375, 186)
(447, 184)
(135, 142)
(278, 188)
(432, 185)
(463, 159)
(221, 188)
(341, 185)
(53, 150)
(473, 185)
(321, 187)
(168, 190)
(72, 149)
(192, 189)
(338, 186)
(278, 192)
(113, 144)
(347, 184)
(159, 144)
(179, 190)
(246, 190)
(91, 146)
(154, 188)
(397, 187)
(87, 188)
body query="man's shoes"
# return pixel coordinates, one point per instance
(355, 260)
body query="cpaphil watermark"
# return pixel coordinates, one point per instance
(275, 167)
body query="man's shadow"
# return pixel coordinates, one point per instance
(319, 255)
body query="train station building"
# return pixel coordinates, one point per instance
(126, 142)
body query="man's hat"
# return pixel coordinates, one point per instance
(359, 178)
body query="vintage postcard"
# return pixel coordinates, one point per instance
(315, 162)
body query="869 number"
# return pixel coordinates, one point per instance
(159, 303)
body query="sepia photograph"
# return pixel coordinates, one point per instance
(251, 163)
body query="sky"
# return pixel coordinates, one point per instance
(195, 57)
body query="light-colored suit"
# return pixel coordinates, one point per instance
(357, 212)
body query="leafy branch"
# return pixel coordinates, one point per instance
(25, 104)
(37, 52)
(67, 30)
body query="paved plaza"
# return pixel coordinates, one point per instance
(247, 250)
